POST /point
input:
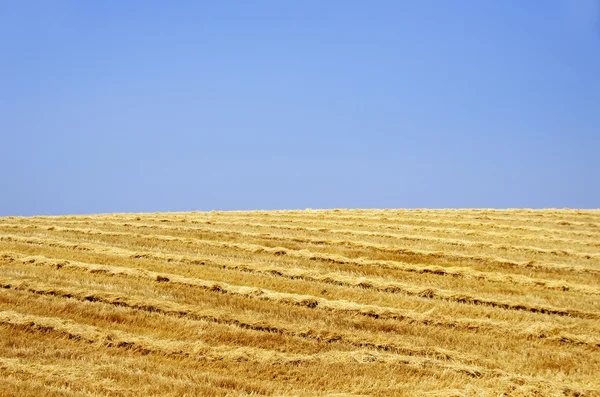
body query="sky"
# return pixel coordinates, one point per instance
(145, 106)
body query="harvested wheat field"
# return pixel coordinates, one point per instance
(302, 303)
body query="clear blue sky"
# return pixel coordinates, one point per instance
(114, 106)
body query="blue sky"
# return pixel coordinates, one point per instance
(135, 106)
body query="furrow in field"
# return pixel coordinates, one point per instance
(448, 216)
(110, 338)
(464, 272)
(591, 215)
(406, 237)
(386, 221)
(15, 378)
(553, 334)
(388, 216)
(378, 229)
(204, 352)
(396, 236)
(445, 216)
(584, 224)
(403, 252)
(544, 214)
(64, 372)
(142, 344)
(237, 320)
(345, 279)
(540, 233)
(171, 348)
(582, 216)
(347, 229)
(383, 302)
(310, 301)
(325, 218)
(260, 270)
(73, 378)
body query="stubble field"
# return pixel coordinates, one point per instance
(302, 303)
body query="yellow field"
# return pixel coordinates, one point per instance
(302, 303)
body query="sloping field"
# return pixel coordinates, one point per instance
(302, 303)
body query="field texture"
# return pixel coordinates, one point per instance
(302, 303)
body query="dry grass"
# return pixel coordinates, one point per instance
(302, 303)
